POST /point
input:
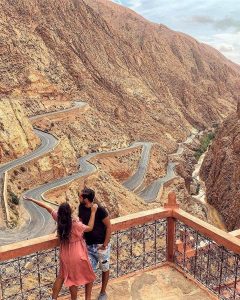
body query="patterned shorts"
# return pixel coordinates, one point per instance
(98, 257)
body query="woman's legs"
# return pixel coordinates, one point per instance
(88, 290)
(57, 287)
(73, 291)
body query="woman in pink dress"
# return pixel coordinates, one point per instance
(75, 267)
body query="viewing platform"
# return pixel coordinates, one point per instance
(164, 253)
(165, 283)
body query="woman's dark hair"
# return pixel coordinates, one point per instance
(64, 222)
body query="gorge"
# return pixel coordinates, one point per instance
(142, 82)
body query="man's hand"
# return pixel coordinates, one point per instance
(102, 247)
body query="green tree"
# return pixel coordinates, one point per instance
(205, 141)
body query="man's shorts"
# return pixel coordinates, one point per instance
(98, 257)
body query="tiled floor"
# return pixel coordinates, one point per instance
(165, 283)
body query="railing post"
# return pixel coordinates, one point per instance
(171, 226)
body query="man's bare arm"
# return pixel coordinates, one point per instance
(106, 221)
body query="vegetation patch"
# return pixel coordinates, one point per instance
(205, 141)
(14, 198)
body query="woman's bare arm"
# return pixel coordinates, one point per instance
(92, 218)
(40, 203)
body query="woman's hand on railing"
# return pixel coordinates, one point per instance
(94, 208)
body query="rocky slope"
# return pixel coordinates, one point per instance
(110, 193)
(155, 81)
(221, 171)
(16, 132)
(36, 97)
(143, 81)
(119, 165)
(88, 132)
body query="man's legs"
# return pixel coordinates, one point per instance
(105, 277)
(93, 256)
(104, 261)
(102, 257)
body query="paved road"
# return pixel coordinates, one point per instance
(150, 193)
(39, 221)
(48, 142)
(135, 182)
(37, 218)
(77, 104)
(188, 141)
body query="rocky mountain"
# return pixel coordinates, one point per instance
(221, 171)
(143, 81)
(157, 82)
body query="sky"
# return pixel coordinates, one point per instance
(214, 22)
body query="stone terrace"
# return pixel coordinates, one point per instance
(165, 283)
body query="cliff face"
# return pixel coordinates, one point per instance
(143, 81)
(221, 171)
(150, 81)
(16, 135)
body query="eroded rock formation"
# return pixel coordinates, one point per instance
(152, 82)
(221, 172)
(143, 81)
(16, 132)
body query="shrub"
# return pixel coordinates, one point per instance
(23, 169)
(15, 172)
(14, 198)
(205, 141)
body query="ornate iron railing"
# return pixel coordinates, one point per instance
(139, 241)
(210, 263)
(138, 248)
(31, 276)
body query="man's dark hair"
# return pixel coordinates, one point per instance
(88, 193)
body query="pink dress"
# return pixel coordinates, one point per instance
(75, 266)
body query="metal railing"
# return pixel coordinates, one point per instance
(27, 273)
(210, 263)
(29, 277)
(139, 241)
(138, 247)
(209, 254)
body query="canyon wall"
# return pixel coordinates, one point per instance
(221, 171)
(145, 79)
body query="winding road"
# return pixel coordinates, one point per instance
(39, 221)
(48, 142)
